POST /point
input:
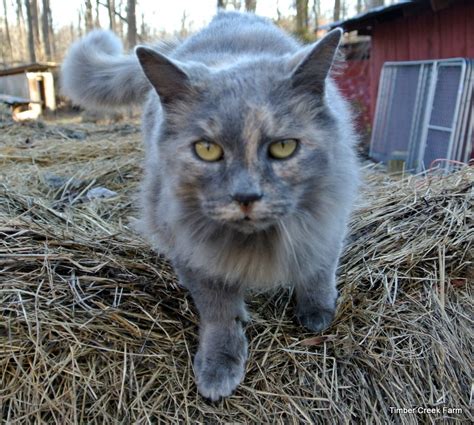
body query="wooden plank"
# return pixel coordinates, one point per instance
(15, 100)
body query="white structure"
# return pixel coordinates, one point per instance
(34, 82)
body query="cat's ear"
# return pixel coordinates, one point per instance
(312, 66)
(168, 79)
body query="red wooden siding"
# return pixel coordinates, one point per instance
(448, 33)
(353, 81)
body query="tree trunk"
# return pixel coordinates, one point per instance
(221, 4)
(88, 15)
(359, 6)
(183, 32)
(20, 22)
(131, 24)
(20, 19)
(79, 23)
(97, 20)
(35, 20)
(302, 17)
(337, 10)
(45, 29)
(3, 62)
(52, 38)
(375, 3)
(31, 36)
(7, 30)
(119, 23)
(317, 14)
(251, 5)
(111, 10)
(143, 28)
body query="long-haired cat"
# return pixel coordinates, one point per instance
(250, 170)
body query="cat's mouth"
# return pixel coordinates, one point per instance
(249, 225)
(250, 220)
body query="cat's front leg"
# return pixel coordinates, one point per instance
(316, 300)
(219, 364)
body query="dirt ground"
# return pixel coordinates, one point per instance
(95, 329)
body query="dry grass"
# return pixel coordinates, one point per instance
(94, 329)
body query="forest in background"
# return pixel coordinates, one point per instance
(33, 36)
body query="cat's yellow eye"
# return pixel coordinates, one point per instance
(208, 151)
(283, 148)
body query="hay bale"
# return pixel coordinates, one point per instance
(95, 329)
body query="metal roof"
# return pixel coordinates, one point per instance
(364, 22)
(32, 67)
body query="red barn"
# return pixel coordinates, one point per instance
(407, 31)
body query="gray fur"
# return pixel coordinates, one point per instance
(242, 83)
(95, 73)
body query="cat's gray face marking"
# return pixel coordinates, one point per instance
(244, 125)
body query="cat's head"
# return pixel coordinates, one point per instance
(245, 145)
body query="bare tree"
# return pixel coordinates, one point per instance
(31, 35)
(359, 6)
(120, 22)
(111, 10)
(236, 4)
(97, 21)
(131, 23)
(79, 23)
(183, 32)
(251, 5)
(317, 14)
(35, 21)
(21, 41)
(89, 20)
(302, 17)
(143, 28)
(7, 30)
(337, 10)
(221, 4)
(45, 29)
(374, 3)
(52, 37)
(20, 19)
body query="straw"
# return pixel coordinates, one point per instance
(94, 327)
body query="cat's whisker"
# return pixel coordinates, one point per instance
(288, 240)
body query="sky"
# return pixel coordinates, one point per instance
(166, 15)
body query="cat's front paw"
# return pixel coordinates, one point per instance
(219, 364)
(218, 376)
(316, 320)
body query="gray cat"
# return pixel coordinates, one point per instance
(250, 170)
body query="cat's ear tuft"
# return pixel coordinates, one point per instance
(313, 66)
(168, 79)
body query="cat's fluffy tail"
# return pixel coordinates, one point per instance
(96, 73)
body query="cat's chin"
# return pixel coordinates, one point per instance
(249, 227)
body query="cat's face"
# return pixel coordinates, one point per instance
(247, 160)
(246, 146)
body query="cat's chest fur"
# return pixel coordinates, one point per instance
(280, 255)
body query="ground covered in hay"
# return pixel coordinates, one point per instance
(95, 329)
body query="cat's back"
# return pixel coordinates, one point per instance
(233, 34)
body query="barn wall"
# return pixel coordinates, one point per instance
(448, 33)
(353, 80)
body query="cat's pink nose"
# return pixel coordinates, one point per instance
(246, 200)
(247, 197)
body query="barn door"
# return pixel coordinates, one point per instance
(424, 113)
(440, 137)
